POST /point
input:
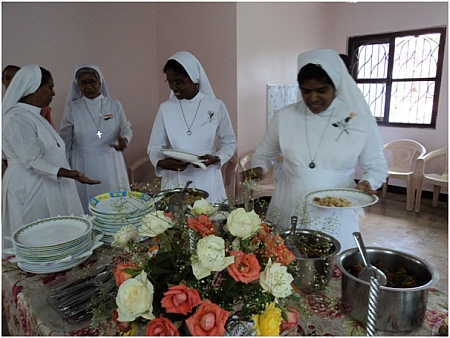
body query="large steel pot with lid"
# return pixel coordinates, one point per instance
(399, 309)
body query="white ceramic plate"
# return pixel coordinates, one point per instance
(184, 156)
(120, 202)
(357, 197)
(52, 231)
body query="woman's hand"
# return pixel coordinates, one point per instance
(366, 187)
(121, 145)
(172, 164)
(76, 175)
(210, 159)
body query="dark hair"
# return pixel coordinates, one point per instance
(17, 68)
(175, 66)
(46, 76)
(312, 71)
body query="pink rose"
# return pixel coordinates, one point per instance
(292, 321)
(208, 320)
(245, 268)
(180, 299)
(160, 327)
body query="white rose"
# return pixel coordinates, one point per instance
(210, 256)
(135, 298)
(155, 224)
(243, 224)
(124, 235)
(276, 280)
(202, 207)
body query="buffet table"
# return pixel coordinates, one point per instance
(28, 314)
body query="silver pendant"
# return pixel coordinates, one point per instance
(189, 133)
(99, 134)
(312, 165)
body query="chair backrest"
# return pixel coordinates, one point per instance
(229, 172)
(433, 154)
(135, 165)
(404, 154)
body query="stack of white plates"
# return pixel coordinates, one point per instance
(114, 210)
(54, 244)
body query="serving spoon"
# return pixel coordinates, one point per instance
(368, 270)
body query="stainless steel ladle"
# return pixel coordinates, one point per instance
(368, 270)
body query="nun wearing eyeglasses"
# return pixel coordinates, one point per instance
(38, 182)
(96, 131)
(322, 138)
(189, 122)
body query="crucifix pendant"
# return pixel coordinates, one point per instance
(99, 134)
(189, 133)
(312, 165)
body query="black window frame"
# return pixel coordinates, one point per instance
(356, 41)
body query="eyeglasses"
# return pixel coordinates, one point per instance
(176, 83)
(84, 84)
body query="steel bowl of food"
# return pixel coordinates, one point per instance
(315, 253)
(402, 302)
(192, 195)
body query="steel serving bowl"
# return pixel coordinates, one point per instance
(315, 253)
(399, 309)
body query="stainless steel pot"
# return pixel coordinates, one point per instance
(399, 309)
(312, 273)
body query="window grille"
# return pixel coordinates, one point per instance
(400, 74)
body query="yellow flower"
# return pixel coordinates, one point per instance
(268, 322)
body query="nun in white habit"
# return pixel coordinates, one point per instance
(190, 121)
(96, 131)
(38, 182)
(322, 138)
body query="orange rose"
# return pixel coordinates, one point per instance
(161, 327)
(276, 249)
(202, 225)
(245, 268)
(209, 320)
(121, 276)
(292, 321)
(180, 299)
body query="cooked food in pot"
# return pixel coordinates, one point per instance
(397, 279)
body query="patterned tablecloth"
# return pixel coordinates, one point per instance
(28, 313)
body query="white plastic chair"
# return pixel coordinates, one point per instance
(229, 172)
(404, 156)
(267, 184)
(438, 180)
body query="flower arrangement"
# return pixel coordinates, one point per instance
(203, 275)
(343, 124)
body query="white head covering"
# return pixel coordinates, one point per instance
(26, 81)
(74, 91)
(346, 88)
(195, 71)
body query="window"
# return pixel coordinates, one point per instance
(400, 75)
